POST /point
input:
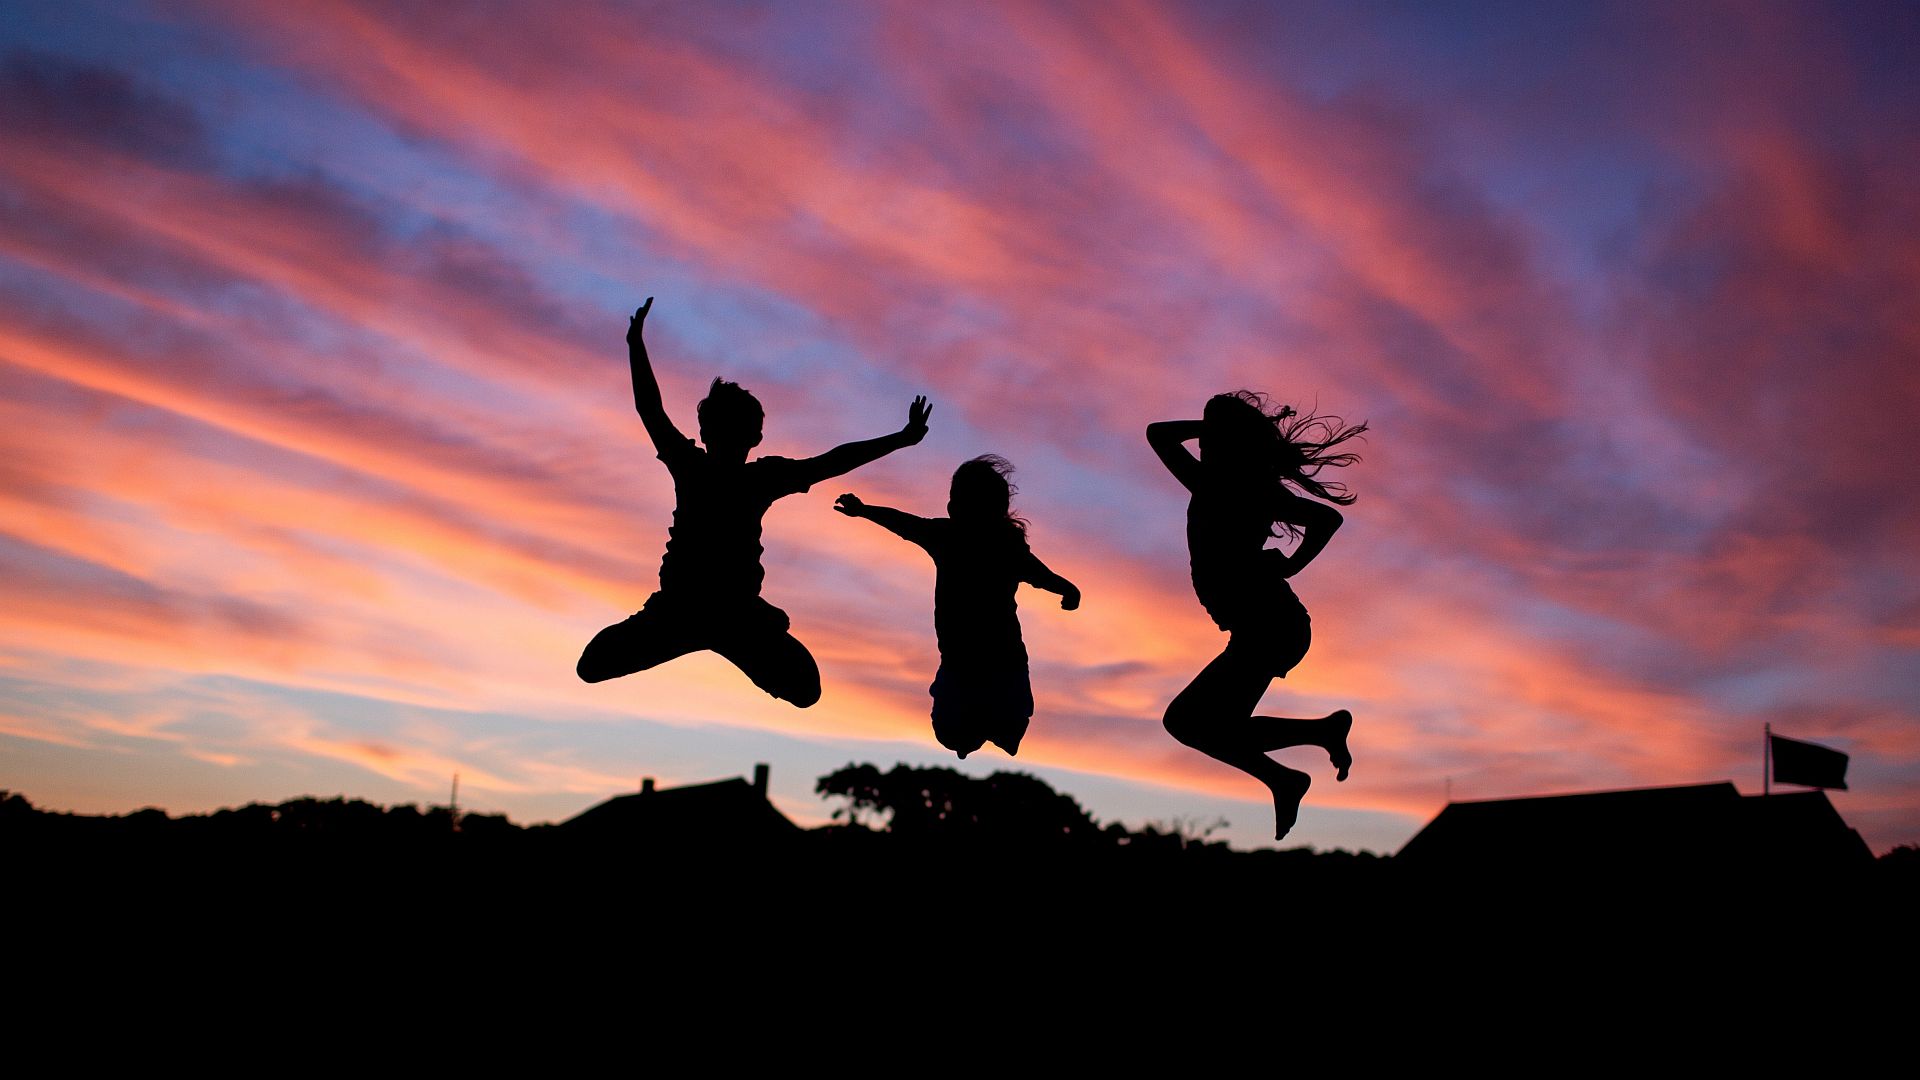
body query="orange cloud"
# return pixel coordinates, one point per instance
(330, 434)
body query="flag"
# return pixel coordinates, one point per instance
(1796, 762)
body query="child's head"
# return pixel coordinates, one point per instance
(1243, 436)
(1240, 433)
(982, 492)
(730, 418)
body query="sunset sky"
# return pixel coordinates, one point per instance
(318, 463)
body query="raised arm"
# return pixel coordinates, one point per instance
(898, 522)
(1168, 439)
(1036, 574)
(849, 456)
(646, 389)
(1317, 522)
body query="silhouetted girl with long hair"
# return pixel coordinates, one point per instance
(1252, 462)
(981, 693)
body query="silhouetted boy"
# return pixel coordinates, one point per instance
(710, 577)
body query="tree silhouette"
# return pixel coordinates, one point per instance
(942, 803)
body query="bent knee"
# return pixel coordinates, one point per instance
(799, 684)
(1184, 725)
(793, 678)
(596, 665)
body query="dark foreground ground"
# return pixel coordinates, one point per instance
(847, 895)
(333, 916)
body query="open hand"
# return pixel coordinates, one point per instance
(917, 414)
(639, 318)
(849, 505)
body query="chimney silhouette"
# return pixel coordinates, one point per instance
(760, 780)
(646, 785)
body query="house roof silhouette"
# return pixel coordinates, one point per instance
(722, 811)
(1694, 827)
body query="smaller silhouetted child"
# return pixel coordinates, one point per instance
(981, 693)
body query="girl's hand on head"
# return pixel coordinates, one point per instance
(849, 505)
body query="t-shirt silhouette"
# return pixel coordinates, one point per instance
(978, 571)
(713, 546)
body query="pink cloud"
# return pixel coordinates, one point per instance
(282, 430)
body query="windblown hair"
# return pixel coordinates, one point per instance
(728, 404)
(983, 491)
(1301, 443)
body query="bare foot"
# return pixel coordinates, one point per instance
(1287, 793)
(1337, 751)
(1010, 742)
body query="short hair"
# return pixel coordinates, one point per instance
(728, 404)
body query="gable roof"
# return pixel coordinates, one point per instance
(718, 811)
(1694, 826)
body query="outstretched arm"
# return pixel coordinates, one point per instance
(849, 456)
(646, 389)
(898, 522)
(1039, 576)
(1168, 439)
(1317, 523)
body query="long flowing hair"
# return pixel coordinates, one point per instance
(1290, 445)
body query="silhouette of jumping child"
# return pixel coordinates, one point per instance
(710, 576)
(981, 693)
(1243, 484)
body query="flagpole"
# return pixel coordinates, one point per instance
(1766, 762)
